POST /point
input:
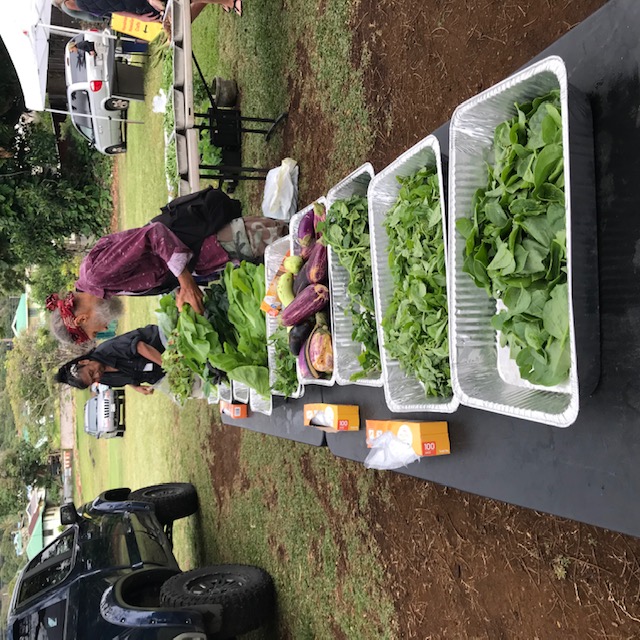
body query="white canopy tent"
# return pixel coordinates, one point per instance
(24, 28)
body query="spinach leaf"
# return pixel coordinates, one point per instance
(346, 230)
(415, 324)
(286, 378)
(515, 240)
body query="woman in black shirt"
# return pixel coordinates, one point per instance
(134, 358)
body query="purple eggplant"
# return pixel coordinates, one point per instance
(306, 230)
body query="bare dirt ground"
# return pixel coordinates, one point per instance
(461, 566)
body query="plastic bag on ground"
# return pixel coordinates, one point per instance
(389, 452)
(280, 199)
(159, 102)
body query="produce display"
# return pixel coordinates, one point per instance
(305, 299)
(516, 241)
(346, 231)
(416, 322)
(230, 342)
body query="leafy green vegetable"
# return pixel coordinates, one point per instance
(346, 230)
(516, 240)
(167, 314)
(179, 375)
(416, 322)
(232, 338)
(286, 378)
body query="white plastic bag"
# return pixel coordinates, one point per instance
(280, 199)
(159, 103)
(389, 452)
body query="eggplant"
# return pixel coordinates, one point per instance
(306, 371)
(319, 215)
(299, 334)
(306, 230)
(317, 266)
(319, 350)
(301, 281)
(308, 302)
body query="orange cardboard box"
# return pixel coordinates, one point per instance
(233, 410)
(426, 438)
(332, 417)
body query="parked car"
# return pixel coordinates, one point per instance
(104, 415)
(91, 95)
(112, 574)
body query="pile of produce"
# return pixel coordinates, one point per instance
(304, 295)
(285, 376)
(516, 241)
(228, 342)
(415, 324)
(346, 231)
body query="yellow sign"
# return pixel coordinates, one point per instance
(133, 27)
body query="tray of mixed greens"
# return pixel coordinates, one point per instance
(408, 250)
(521, 160)
(346, 232)
(308, 314)
(283, 376)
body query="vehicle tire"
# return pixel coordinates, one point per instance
(116, 104)
(246, 594)
(172, 501)
(116, 149)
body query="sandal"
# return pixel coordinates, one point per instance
(237, 7)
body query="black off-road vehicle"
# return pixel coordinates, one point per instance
(112, 575)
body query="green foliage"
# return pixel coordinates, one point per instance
(60, 276)
(32, 392)
(11, 563)
(416, 322)
(232, 338)
(516, 241)
(346, 230)
(286, 377)
(41, 204)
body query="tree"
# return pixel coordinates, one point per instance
(30, 366)
(43, 202)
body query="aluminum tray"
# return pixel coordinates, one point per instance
(273, 256)
(260, 404)
(402, 393)
(482, 376)
(224, 392)
(240, 392)
(294, 223)
(346, 351)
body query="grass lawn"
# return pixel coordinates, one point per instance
(280, 522)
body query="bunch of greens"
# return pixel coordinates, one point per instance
(216, 311)
(188, 346)
(346, 230)
(231, 338)
(516, 240)
(167, 314)
(244, 358)
(416, 322)
(286, 378)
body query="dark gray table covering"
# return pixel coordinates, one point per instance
(590, 471)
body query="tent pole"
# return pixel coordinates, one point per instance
(68, 113)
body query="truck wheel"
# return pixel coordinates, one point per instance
(116, 149)
(116, 104)
(246, 594)
(172, 501)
